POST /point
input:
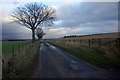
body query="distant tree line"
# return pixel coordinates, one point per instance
(70, 36)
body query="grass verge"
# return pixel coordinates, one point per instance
(96, 56)
(21, 66)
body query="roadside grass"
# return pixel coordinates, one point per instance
(10, 47)
(96, 56)
(22, 65)
(0, 48)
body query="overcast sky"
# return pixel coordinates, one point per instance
(73, 18)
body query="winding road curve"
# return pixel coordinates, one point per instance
(53, 62)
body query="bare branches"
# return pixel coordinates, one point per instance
(33, 15)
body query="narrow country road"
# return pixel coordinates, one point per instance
(53, 62)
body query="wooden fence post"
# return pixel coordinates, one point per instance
(99, 42)
(25, 43)
(69, 40)
(19, 47)
(118, 44)
(109, 42)
(13, 50)
(81, 42)
(25, 46)
(74, 42)
(89, 42)
(92, 42)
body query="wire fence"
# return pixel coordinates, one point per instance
(9, 63)
(11, 50)
(95, 42)
(23, 49)
(11, 47)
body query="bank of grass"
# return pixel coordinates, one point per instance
(22, 65)
(9, 47)
(96, 56)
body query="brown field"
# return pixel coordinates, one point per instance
(105, 35)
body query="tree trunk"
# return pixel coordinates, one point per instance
(33, 35)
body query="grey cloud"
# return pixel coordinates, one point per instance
(87, 12)
(15, 31)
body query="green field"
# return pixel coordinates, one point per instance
(21, 65)
(10, 47)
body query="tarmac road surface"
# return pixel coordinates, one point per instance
(53, 62)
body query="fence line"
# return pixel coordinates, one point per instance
(10, 60)
(95, 42)
(15, 50)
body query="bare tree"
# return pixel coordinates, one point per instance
(33, 15)
(39, 33)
